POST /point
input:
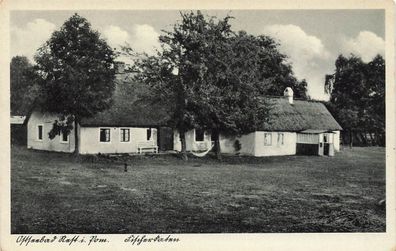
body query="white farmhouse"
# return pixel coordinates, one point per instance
(132, 125)
(129, 126)
(296, 127)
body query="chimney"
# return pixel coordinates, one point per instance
(120, 67)
(288, 93)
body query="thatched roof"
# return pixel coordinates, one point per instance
(129, 108)
(299, 116)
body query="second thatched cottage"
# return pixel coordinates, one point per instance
(297, 127)
(133, 126)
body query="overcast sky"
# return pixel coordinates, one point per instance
(312, 39)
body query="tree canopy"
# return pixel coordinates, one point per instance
(23, 87)
(77, 73)
(357, 94)
(214, 78)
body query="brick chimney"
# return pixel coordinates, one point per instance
(288, 93)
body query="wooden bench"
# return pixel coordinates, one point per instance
(147, 147)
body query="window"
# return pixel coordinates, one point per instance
(199, 135)
(64, 137)
(125, 135)
(325, 138)
(148, 134)
(40, 132)
(104, 135)
(267, 139)
(280, 139)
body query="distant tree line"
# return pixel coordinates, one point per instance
(357, 99)
(23, 87)
(209, 76)
(74, 76)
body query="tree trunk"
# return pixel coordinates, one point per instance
(361, 138)
(364, 138)
(216, 136)
(378, 138)
(350, 138)
(343, 139)
(76, 138)
(183, 145)
(372, 140)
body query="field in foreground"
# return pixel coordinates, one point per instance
(55, 193)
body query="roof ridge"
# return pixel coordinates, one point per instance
(298, 99)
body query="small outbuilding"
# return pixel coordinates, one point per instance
(18, 130)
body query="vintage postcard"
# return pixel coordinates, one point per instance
(185, 125)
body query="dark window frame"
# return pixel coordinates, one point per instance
(149, 134)
(325, 138)
(281, 138)
(199, 135)
(106, 137)
(125, 135)
(270, 139)
(40, 132)
(62, 137)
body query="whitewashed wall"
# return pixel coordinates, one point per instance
(227, 144)
(251, 144)
(38, 118)
(288, 147)
(191, 144)
(176, 141)
(90, 143)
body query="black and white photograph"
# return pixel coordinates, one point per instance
(141, 122)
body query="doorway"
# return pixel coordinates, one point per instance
(165, 138)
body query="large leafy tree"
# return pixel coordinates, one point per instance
(77, 74)
(213, 78)
(241, 71)
(23, 86)
(230, 100)
(376, 86)
(357, 96)
(258, 56)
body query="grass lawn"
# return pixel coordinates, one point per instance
(55, 193)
